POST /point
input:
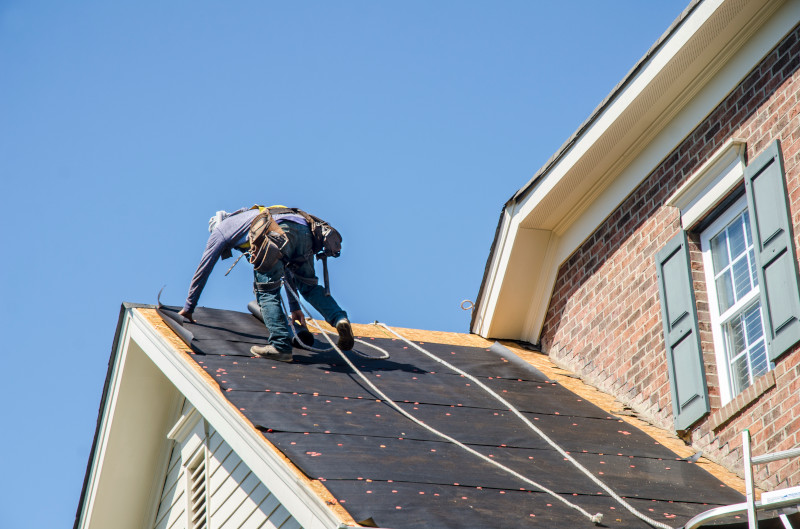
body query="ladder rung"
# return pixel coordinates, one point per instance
(775, 456)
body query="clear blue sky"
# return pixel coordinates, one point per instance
(125, 125)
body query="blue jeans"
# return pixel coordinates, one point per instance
(299, 245)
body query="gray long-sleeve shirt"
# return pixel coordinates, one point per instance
(226, 236)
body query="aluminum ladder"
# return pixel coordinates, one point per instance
(773, 500)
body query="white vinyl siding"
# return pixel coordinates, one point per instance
(236, 497)
(172, 506)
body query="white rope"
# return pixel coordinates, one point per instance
(316, 350)
(541, 434)
(596, 518)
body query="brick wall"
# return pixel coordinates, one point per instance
(604, 318)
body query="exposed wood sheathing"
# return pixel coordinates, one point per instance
(371, 330)
(613, 406)
(184, 351)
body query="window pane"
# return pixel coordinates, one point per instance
(739, 375)
(736, 238)
(719, 252)
(736, 340)
(752, 321)
(758, 360)
(725, 291)
(741, 277)
(746, 347)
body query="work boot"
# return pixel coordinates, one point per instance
(269, 351)
(346, 340)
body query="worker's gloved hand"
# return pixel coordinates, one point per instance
(297, 316)
(186, 314)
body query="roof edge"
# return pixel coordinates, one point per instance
(548, 203)
(171, 357)
(565, 147)
(605, 103)
(103, 401)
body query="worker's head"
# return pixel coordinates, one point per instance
(216, 219)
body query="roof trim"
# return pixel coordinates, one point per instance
(304, 503)
(133, 449)
(684, 76)
(620, 87)
(300, 500)
(475, 323)
(103, 401)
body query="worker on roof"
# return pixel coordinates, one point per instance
(229, 231)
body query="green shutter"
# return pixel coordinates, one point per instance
(687, 377)
(771, 225)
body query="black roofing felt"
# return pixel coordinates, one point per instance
(380, 465)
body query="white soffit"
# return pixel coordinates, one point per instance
(763, 30)
(138, 406)
(148, 379)
(693, 70)
(687, 60)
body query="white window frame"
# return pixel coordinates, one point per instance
(710, 184)
(718, 320)
(699, 196)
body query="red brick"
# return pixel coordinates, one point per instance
(604, 319)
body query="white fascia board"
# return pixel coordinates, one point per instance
(128, 453)
(781, 18)
(106, 413)
(305, 506)
(487, 303)
(690, 116)
(646, 75)
(523, 206)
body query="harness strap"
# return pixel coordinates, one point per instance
(307, 280)
(270, 286)
(281, 210)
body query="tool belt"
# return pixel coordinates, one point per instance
(325, 238)
(266, 239)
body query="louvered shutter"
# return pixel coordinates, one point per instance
(687, 377)
(770, 223)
